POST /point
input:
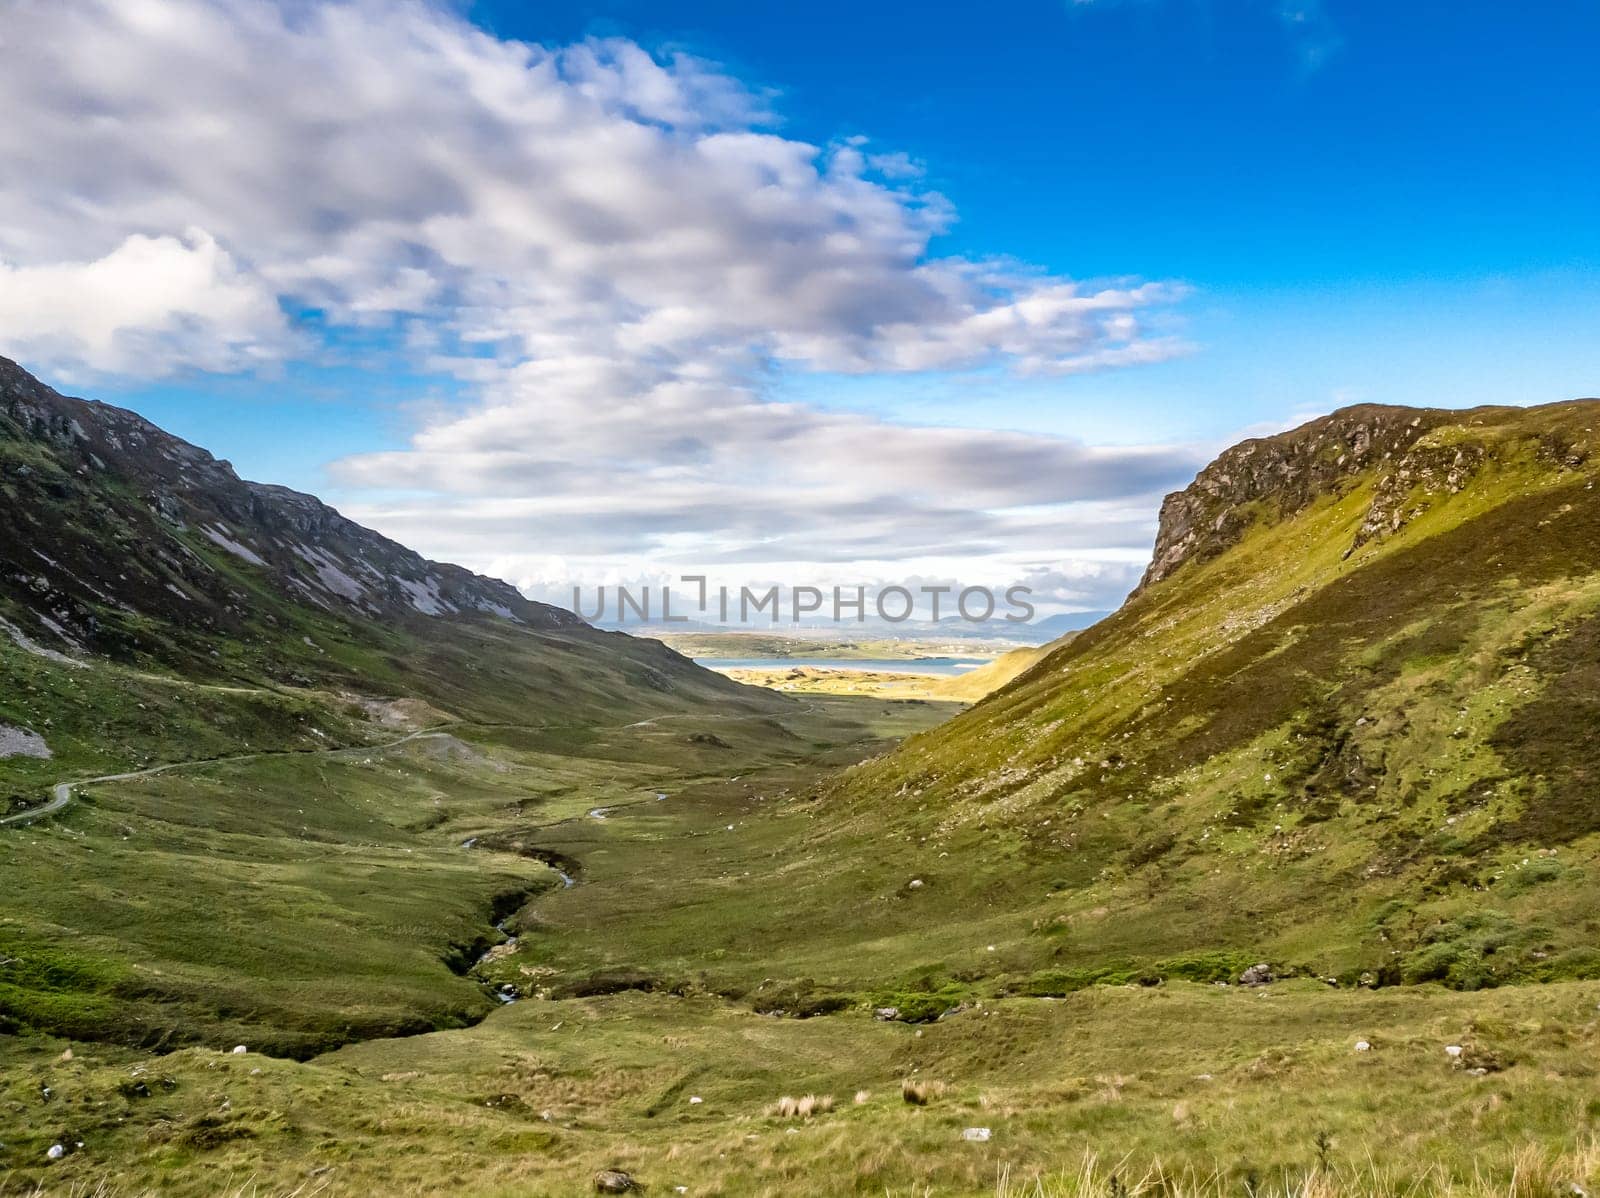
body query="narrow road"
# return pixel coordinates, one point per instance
(61, 792)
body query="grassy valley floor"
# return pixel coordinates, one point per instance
(706, 961)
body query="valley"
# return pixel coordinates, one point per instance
(351, 871)
(672, 995)
(693, 974)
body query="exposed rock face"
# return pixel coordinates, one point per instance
(112, 523)
(19, 742)
(1278, 476)
(1286, 472)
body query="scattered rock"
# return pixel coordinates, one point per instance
(695, 1100)
(19, 742)
(56, 1152)
(239, 1050)
(1363, 1046)
(887, 1014)
(976, 1134)
(915, 884)
(1256, 975)
(1452, 1050)
(614, 1181)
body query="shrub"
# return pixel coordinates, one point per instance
(924, 1006)
(1535, 873)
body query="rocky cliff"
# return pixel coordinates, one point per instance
(1277, 477)
(116, 529)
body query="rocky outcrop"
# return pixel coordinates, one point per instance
(1430, 468)
(1276, 477)
(114, 523)
(19, 742)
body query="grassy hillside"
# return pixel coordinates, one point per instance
(988, 678)
(138, 568)
(291, 904)
(1342, 726)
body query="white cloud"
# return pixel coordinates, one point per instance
(148, 302)
(616, 248)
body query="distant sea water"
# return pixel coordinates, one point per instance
(883, 665)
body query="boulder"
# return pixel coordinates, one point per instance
(1256, 975)
(614, 1181)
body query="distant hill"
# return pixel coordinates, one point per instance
(1051, 627)
(1346, 722)
(986, 679)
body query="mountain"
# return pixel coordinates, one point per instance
(1345, 725)
(144, 558)
(1051, 627)
(116, 523)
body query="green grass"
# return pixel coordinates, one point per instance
(1260, 751)
(303, 897)
(1264, 1088)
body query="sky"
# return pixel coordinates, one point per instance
(871, 293)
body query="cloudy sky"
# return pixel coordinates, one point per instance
(779, 294)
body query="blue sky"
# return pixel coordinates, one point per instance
(1385, 202)
(1397, 203)
(1328, 202)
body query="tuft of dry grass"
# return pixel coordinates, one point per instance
(920, 1092)
(801, 1108)
(1535, 1173)
(105, 1188)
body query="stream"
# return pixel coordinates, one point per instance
(506, 992)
